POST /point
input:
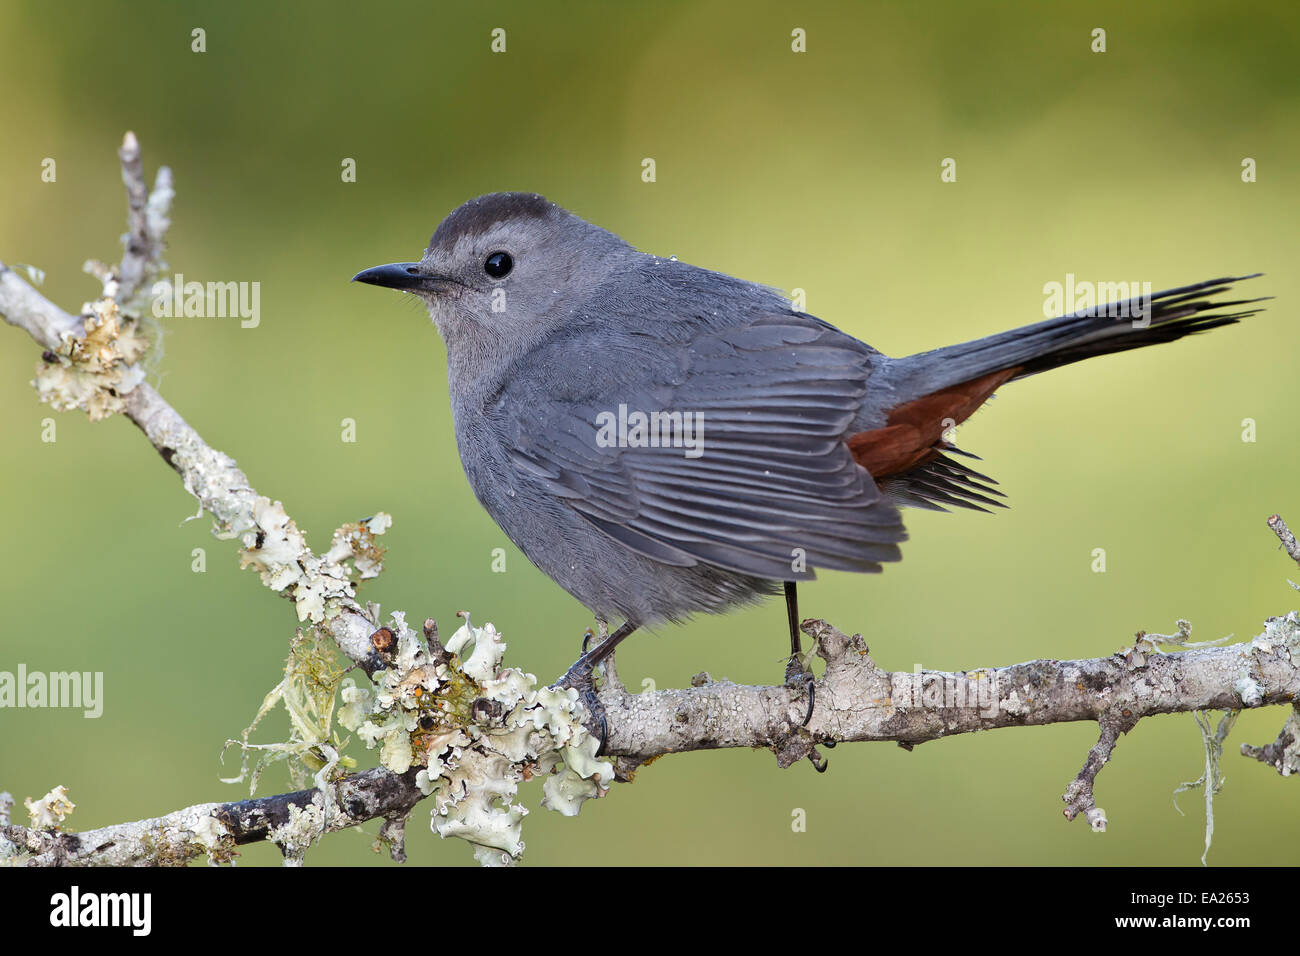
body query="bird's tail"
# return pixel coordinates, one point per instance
(1100, 330)
(933, 391)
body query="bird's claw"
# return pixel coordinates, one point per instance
(581, 678)
(796, 676)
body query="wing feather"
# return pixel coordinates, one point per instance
(773, 478)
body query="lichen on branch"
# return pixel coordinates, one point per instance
(95, 371)
(477, 730)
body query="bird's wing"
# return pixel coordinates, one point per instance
(769, 488)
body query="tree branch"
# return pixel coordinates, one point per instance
(146, 220)
(856, 701)
(292, 821)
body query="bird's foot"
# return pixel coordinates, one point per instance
(797, 676)
(581, 677)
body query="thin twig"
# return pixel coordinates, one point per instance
(1289, 543)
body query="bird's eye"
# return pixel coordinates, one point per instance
(498, 265)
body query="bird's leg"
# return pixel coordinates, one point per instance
(794, 669)
(611, 668)
(580, 678)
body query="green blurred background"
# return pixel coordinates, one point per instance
(818, 171)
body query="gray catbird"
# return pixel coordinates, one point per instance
(661, 439)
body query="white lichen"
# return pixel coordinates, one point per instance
(278, 551)
(1279, 632)
(50, 810)
(1249, 691)
(208, 833)
(477, 730)
(94, 372)
(1013, 705)
(303, 828)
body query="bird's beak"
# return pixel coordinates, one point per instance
(406, 276)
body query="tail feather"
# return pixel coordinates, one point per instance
(1100, 330)
(931, 391)
(942, 481)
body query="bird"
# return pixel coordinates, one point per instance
(662, 439)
